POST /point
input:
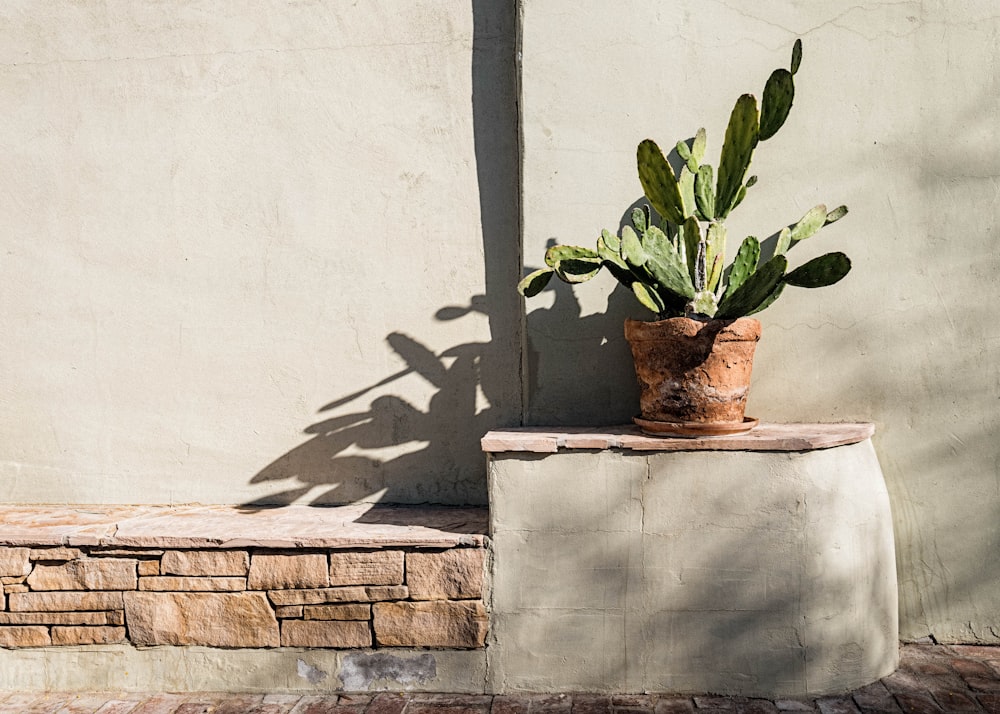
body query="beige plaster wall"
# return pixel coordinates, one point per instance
(895, 115)
(250, 250)
(261, 252)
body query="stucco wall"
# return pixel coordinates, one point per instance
(895, 115)
(263, 251)
(250, 250)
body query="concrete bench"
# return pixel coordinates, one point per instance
(759, 564)
(215, 597)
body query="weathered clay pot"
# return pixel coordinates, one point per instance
(691, 371)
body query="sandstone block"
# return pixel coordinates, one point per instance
(87, 635)
(194, 585)
(348, 594)
(205, 562)
(14, 562)
(86, 574)
(286, 611)
(384, 567)
(149, 567)
(64, 601)
(276, 572)
(325, 633)
(30, 636)
(12, 579)
(113, 617)
(455, 574)
(337, 612)
(212, 619)
(57, 554)
(439, 623)
(15, 588)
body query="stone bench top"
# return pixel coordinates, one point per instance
(353, 526)
(764, 437)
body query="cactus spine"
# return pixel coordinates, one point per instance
(675, 266)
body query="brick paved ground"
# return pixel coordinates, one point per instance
(931, 679)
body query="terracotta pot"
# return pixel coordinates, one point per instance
(691, 371)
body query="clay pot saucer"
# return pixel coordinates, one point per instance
(651, 427)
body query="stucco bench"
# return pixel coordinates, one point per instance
(220, 597)
(757, 564)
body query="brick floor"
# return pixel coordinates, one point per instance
(931, 678)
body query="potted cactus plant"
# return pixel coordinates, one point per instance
(694, 361)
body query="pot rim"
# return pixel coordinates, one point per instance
(737, 329)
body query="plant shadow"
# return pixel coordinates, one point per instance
(341, 463)
(389, 449)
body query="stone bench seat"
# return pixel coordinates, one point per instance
(344, 577)
(353, 526)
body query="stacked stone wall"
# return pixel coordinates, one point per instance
(243, 598)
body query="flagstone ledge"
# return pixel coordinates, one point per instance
(224, 527)
(763, 437)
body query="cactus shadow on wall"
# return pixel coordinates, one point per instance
(368, 454)
(579, 367)
(389, 449)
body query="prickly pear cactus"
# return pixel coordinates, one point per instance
(674, 262)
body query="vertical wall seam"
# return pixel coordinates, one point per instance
(519, 116)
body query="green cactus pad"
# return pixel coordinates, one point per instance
(605, 253)
(751, 182)
(784, 241)
(612, 241)
(658, 182)
(655, 241)
(558, 253)
(776, 102)
(796, 56)
(769, 300)
(715, 252)
(648, 297)
(683, 150)
(820, 272)
(739, 198)
(744, 264)
(639, 219)
(575, 271)
(715, 273)
(612, 260)
(686, 185)
(698, 145)
(737, 150)
(631, 251)
(704, 192)
(664, 264)
(535, 282)
(749, 296)
(807, 226)
(692, 237)
(836, 214)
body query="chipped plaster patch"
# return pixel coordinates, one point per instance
(359, 671)
(311, 674)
